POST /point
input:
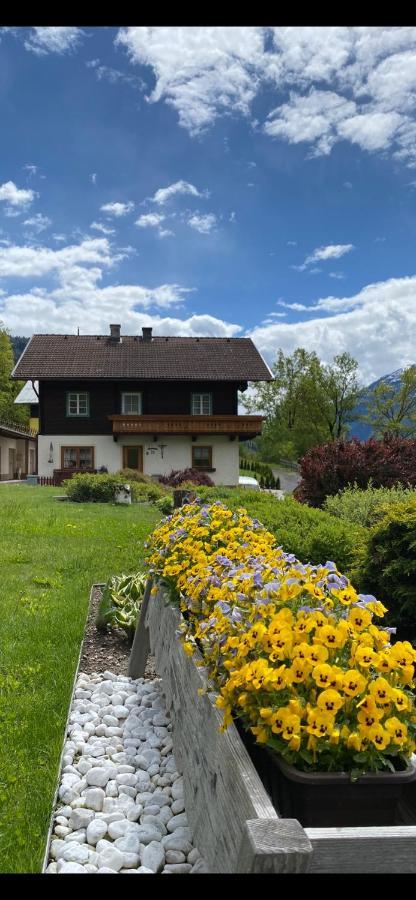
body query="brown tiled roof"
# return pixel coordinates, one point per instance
(162, 358)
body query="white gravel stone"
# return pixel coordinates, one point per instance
(111, 859)
(153, 856)
(75, 852)
(62, 830)
(80, 818)
(179, 821)
(120, 789)
(96, 831)
(181, 869)
(94, 799)
(100, 775)
(71, 868)
(178, 806)
(119, 829)
(177, 789)
(51, 869)
(129, 843)
(174, 857)
(79, 836)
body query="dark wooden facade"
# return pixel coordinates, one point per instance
(158, 398)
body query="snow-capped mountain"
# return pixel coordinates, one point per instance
(360, 429)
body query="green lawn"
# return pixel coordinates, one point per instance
(50, 554)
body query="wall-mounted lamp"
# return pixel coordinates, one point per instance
(50, 460)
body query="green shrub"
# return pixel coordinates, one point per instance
(135, 475)
(93, 488)
(149, 492)
(389, 568)
(165, 504)
(363, 506)
(121, 602)
(311, 534)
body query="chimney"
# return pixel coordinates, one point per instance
(147, 334)
(115, 333)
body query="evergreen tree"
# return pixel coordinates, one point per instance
(9, 411)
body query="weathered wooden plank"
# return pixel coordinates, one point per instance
(141, 644)
(267, 847)
(381, 849)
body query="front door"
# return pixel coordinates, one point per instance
(133, 458)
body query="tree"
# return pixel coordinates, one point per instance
(339, 394)
(9, 412)
(392, 411)
(306, 404)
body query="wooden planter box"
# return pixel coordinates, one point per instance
(231, 817)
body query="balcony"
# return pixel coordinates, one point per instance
(241, 426)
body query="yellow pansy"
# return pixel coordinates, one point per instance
(330, 701)
(353, 682)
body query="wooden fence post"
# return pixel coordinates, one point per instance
(274, 845)
(141, 645)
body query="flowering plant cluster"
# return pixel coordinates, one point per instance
(293, 649)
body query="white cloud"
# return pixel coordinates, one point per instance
(202, 223)
(93, 178)
(38, 223)
(313, 118)
(58, 39)
(376, 326)
(179, 187)
(201, 71)
(104, 229)
(165, 232)
(59, 238)
(345, 82)
(338, 275)
(18, 199)
(114, 76)
(331, 251)
(117, 209)
(30, 169)
(29, 262)
(151, 220)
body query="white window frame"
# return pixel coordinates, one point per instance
(199, 401)
(129, 412)
(77, 395)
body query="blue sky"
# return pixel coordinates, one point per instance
(218, 181)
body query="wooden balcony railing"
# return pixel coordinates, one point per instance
(230, 425)
(20, 430)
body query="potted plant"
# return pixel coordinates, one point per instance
(299, 661)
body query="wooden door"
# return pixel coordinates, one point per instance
(133, 458)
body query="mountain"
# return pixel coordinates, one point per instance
(359, 429)
(18, 344)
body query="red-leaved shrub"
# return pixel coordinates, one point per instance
(178, 476)
(331, 467)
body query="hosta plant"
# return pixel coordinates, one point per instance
(121, 602)
(295, 652)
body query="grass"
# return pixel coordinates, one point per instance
(50, 554)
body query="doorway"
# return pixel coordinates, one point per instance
(133, 458)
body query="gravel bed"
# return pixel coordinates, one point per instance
(106, 649)
(120, 801)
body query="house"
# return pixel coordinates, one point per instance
(142, 402)
(17, 451)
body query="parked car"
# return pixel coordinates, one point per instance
(245, 481)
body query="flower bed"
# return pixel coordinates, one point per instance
(292, 648)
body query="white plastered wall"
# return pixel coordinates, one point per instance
(6, 444)
(176, 450)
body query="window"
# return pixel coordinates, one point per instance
(77, 457)
(201, 404)
(78, 404)
(131, 404)
(202, 457)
